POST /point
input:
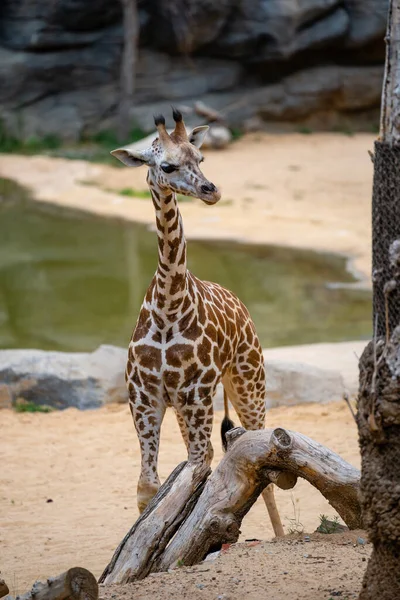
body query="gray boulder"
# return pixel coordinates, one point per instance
(90, 380)
(367, 21)
(310, 92)
(272, 30)
(290, 383)
(43, 25)
(60, 61)
(61, 379)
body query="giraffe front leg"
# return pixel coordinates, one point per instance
(196, 421)
(147, 414)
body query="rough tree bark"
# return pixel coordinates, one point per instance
(378, 414)
(128, 67)
(74, 584)
(158, 541)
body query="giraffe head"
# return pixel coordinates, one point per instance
(174, 160)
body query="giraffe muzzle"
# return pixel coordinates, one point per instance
(209, 193)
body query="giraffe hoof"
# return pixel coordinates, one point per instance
(145, 493)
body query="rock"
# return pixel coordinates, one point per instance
(290, 383)
(367, 21)
(28, 77)
(60, 63)
(361, 541)
(166, 78)
(271, 30)
(5, 396)
(61, 379)
(69, 116)
(218, 137)
(90, 380)
(187, 25)
(33, 25)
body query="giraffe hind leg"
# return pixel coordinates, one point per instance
(250, 408)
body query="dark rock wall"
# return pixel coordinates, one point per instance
(279, 59)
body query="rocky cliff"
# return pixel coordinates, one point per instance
(273, 60)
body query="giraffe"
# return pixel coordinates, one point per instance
(190, 334)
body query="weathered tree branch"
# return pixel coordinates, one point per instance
(148, 537)
(3, 588)
(254, 459)
(74, 584)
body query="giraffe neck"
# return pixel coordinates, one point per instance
(170, 280)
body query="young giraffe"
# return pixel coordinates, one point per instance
(190, 334)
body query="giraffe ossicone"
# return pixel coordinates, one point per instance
(190, 334)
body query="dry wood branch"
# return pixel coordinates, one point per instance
(146, 540)
(243, 473)
(254, 459)
(74, 584)
(3, 588)
(212, 116)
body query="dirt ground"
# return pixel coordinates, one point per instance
(68, 493)
(325, 567)
(307, 191)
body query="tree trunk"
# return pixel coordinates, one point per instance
(74, 584)
(213, 516)
(378, 414)
(128, 68)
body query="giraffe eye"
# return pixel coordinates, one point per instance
(168, 168)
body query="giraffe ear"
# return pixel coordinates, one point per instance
(133, 158)
(197, 135)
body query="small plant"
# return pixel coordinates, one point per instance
(295, 525)
(31, 145)
(304, 130)
(180, 563)
(343, 128)
(27, 406)
(236, 133)
(328, 525)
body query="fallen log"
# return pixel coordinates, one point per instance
(75, 584)
(254, 460)
(141, 547)
(3, 588)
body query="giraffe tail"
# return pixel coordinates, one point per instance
(227, 423)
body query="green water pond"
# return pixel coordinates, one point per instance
(72, 281)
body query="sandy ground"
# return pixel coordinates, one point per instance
(87, 463)
(326, 567)
(308, 191)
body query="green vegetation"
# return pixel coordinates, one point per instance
(295, 525)
(236, 133)
(95, 148)
(344, 128)
(32, 145)
(328, 525)
(304, 130)
(27, 406)
(133, 193)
